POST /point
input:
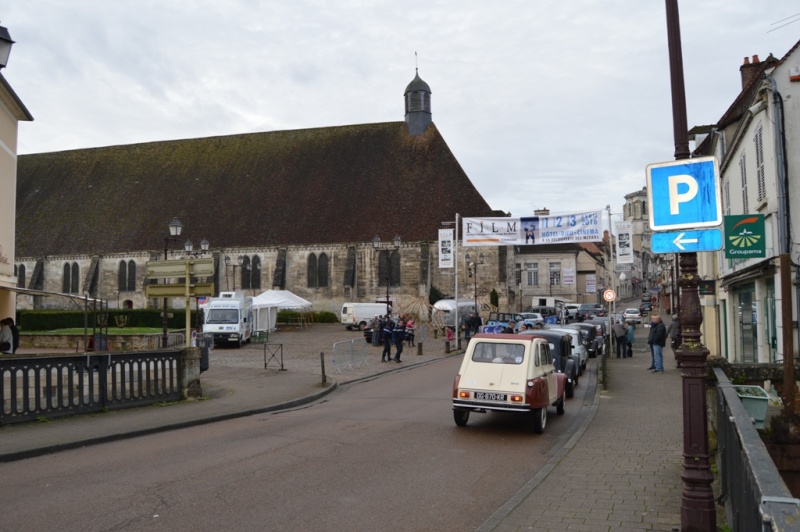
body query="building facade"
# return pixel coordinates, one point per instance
(754, 142)
(292, 210)
(13, 112)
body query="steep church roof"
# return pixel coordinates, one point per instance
(311, 186)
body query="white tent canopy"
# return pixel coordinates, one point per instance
(282, 299)
(267, 304)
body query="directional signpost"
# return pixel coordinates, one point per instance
(174, 269)
(684, 194)
(687, 241)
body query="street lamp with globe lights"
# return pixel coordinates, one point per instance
(376, 244)
(175, 228)
(5, 46)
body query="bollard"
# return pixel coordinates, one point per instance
(447, 347)
(435, 333)
(419, 349)
(322, 363)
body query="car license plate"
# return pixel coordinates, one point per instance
(489, 396)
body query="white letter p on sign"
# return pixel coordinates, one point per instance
(675, 197)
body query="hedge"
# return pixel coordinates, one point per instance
(50, 320)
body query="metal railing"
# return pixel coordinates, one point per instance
(349, 354)
(61, 385)
(755, 496)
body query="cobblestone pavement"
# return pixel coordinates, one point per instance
(301, 348)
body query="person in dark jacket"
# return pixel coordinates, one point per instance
(658, 339)
(620, 334)
(399, 336)
(386, 329)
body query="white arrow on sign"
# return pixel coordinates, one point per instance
(680, 240)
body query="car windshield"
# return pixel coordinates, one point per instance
(632, 311)
(496, 353)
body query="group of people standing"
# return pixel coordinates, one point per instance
(656, 340)
(472, 325)
(389, 331)
(9, 336)
(623, 335)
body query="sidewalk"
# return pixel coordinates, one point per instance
(619, 471)
(623, 471)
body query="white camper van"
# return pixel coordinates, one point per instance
(360, 314)
(229, 318)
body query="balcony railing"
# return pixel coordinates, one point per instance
(754, 494)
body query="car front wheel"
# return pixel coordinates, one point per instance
(461, 417)
(539, 420)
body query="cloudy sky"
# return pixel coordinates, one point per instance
(555, 104)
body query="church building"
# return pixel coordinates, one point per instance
(293, 210)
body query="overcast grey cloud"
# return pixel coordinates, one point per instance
(546, 103)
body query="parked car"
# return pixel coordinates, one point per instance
(522, 321)
(531, 320)
(563, 358)
(550, 314)
(632, 315)
(578, 349)
(508, 373)
(588, 310)
(592, 341)
(645, 308)
(602, 326)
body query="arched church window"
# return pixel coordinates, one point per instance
(311, 271)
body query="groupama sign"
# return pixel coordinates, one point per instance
(744, 236)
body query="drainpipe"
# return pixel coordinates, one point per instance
(790, 386)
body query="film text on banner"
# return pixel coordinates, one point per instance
(533, 230)
(446, 259)
(624, 242)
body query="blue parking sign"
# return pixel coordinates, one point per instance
(684, 194)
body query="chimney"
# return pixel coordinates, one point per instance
(749, 71)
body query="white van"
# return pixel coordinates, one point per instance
(229, 318)
(360, 314)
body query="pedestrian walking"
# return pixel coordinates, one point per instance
(375, 325)
(477, 323)
(398, 337)
(658, 339)
(410, 329)
(386, 330)
(629, 338)
(468, 327)
(620, 333)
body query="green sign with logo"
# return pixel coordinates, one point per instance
(744, 236)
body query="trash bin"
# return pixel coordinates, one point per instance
(100, 342)
(755, 400)
(205, 342)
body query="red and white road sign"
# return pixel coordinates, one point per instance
(609, 295)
